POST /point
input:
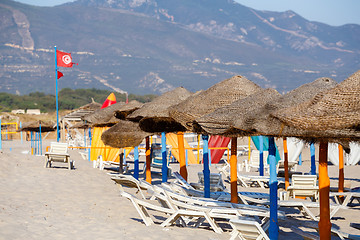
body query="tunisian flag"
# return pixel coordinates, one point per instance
(63, 59)
(60, 74)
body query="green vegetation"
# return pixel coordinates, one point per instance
(68, 99)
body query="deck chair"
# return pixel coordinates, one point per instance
(131, 182)
(349, 197)
(248, 228)
(255, 161)
(303, 186)
(216, 182)
(58, 153)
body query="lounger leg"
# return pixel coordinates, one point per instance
(213, 224)
(69, 162)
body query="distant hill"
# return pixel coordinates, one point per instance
(152, 46)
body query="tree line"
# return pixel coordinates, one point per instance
(68, 99)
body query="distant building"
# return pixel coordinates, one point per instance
(18, 111)
(33, 111)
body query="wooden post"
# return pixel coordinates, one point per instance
(183, 170)
(148, 160)
(136, 162)
(341, 171)
(164, 168)
(206, 170)
(233, 170)
(324, 189)
(121, 162)
(286, 163)
(249, 146)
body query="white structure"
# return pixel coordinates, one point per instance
(18, 111)
(33, 111)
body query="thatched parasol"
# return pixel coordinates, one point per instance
(220, 121)
(337, 108)
(46, 126)
(104, 116)
(127, 109)
(124, 134)
(90, 106)
(80, 125)
(155, 115)
(207, 101)
(159, 106)
(260, 122)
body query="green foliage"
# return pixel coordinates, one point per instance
(68, 99)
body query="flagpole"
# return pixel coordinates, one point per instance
(57, 101)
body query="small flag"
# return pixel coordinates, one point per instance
(63, 59)
(60, 74)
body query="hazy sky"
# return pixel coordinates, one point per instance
(332, 12)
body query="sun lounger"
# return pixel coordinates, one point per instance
(216, 182)
(303, 186)
(131, 182)
(255, 161)
(248, 228)
(348, 197)
(58, 153)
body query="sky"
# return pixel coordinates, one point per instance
(332, 12)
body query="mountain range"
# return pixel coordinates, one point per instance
(153, 46)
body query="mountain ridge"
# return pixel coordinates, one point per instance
(152, 46)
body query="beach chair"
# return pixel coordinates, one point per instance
(156, 158)
(248, 228)
(349, 197)
(303, 186)
(58, 153)
(216, 182)
(131, 182)
(255, 161)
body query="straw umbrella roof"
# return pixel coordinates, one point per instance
(127, 109)
(159, 106)
(336, 108)
(90, 106)
(81, 125)
(220, 121)
(104, 116)
(207, 101)
(260, 122)
(46, 126)
(124, 134)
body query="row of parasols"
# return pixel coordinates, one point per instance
(321, 111)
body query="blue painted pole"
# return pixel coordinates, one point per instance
(312, 153)
(36, 142)
(40, 139)
(84, 137)
(57, 99)
(21, 134)
(89, 149)
(0, 136)
(186, 157)
(261, 149)
(274, 227)
(209, 157)
(300, 159)
(206, 170)
(164, 168)
(31, 140)
(136, 162)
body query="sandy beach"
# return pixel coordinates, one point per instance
(84, 203)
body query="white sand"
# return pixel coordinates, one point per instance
(55, 203)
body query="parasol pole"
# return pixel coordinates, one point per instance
(324, 189)
(148, 160)
(261, 161)
(274, 227)
(312, 153)
(164, 168)
(0, 136)
(182, 160)
(206, 170)
(136, 162)
(286, 163)
(233, 170)
(341, 170)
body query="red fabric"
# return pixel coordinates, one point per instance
(60, 74)
(63, 59)
(218, 141)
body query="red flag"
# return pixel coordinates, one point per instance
(60, 74)
(63, 59)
